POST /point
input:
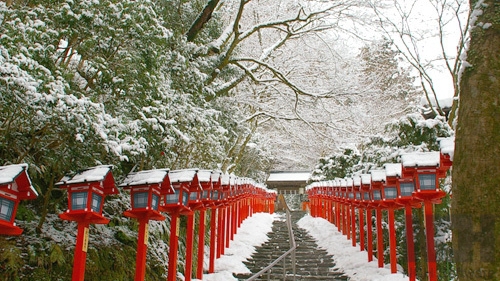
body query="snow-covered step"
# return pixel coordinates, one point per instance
(312, 263)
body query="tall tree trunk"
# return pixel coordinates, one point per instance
(476, 168)
(203, 18)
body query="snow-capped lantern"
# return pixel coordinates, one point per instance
(203, 196)
(187, 194)
(184, 182)
(378, 180)
(87, 190)
(366, 181)
(146, 189)
(15, 185)
(391, 192)
(446, 149)
(216, 193)
(424, 168)
(358, 194)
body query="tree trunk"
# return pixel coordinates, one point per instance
(203, 18)
(476, 169)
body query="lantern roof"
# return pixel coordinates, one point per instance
(349, 182)
(98, 174)
(366, 178)
(356, 180)
(185, 175)
(378, 175)
(225, 179)
(16, 178)
(149, 177)
(421, 159)
(393, 169)
(205, 175)
(447, 146)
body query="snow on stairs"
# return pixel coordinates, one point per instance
(312, 263)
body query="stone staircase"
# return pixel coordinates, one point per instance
(312, 263)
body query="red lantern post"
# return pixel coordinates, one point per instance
(389, 196)
(424, 167)
(359, 202)
(377, 186)
(366, 180)
(15, 185)
(352, 205)
(146, 189)
(405, 188)
(183, 181)
(86, 192)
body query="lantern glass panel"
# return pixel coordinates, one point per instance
(377, 195)
(96, 203)
(427, 181)
(350, 195)
(406, 188)
(390, 192)
(155, 201)
(358, 196)
(206, 194)
(185, 198)
(193, 196)
(366, 196)
(79, 200)
(173, 198)
(140, 200)
(215, 195)
(6, 209)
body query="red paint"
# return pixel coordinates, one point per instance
(79, 259)
(392, 241)
(412, 271)
(380, 239)
(189, 247)
(173, 247)
(201, 245)
(353, 225)
(361, 213)
(213, 229)
(369, 240)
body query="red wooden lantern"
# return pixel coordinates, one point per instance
(86, 192)
(424, 168)
(146, 189)
(405, 189)
(446, 148)
(366, 181)
(216, 193)
(187, 194)
(378, 179)
(15, 185)
(184, 182)
(389, 197)
(377, 187)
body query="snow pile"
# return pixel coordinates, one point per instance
(349, 259)
(252, 233)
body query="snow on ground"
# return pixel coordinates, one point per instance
(348, 259)
(253, 232)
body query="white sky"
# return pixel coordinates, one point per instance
(348, 259)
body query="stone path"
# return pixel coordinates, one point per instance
(312, 263)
